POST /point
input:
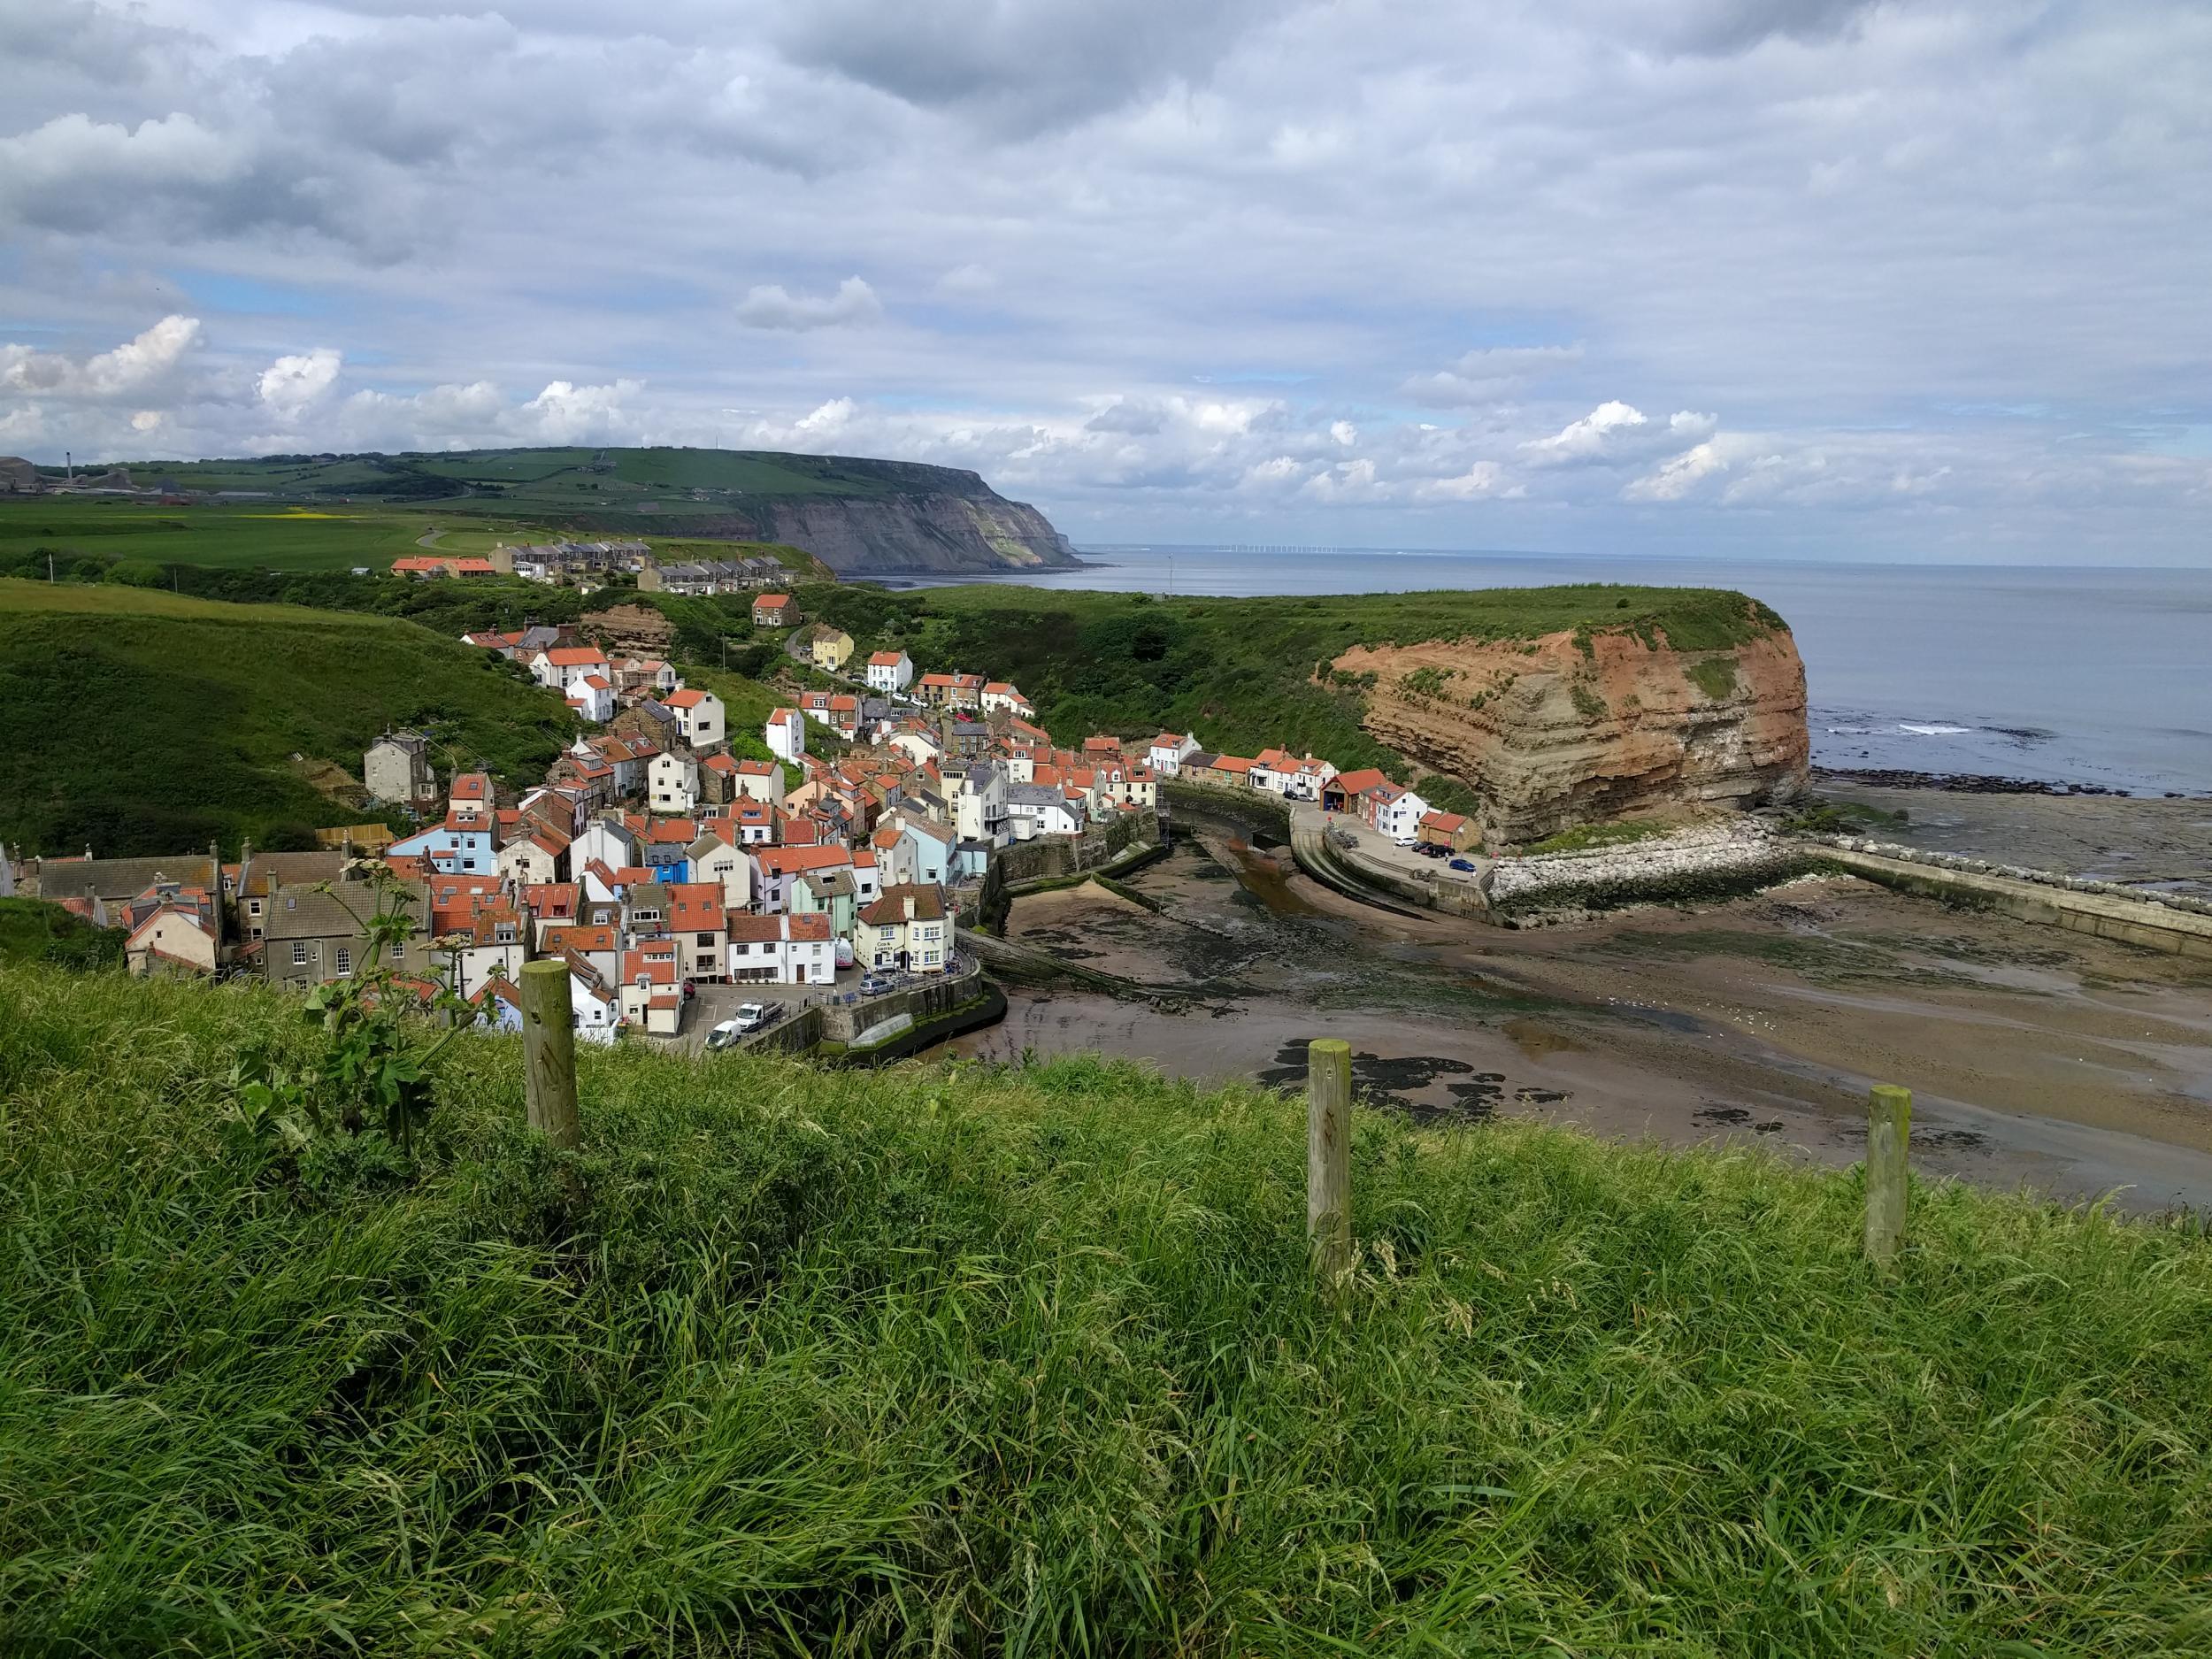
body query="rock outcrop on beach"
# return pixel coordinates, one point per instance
(1578, 727)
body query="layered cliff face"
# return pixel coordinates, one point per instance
(1577, 727)
(932, 531)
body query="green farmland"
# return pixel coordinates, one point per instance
(266, 535)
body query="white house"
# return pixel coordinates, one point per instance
(673, 785)
(998, 694)
(1167, 753)
(867, 875)
(1039, 809)
(562, 667)
(1400, 817)
(714, 858)
(652, 986)
(979, 805)
(598, 1013)
(605, 841)
(532, 858)
(906, 929)
(890, 671)
(698, 716)
(593, 698)
(758, 780)
(782, 949)
(786, 734)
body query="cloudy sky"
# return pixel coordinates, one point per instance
(1797, 277)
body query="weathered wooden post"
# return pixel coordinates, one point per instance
(1888, 1134)
(1329, 1155)
(549, 1051)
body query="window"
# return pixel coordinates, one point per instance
(704, 939)
(345, 959)
(299, 953)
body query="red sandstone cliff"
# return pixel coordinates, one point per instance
(1570, 729)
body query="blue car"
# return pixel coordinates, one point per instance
(1462, 864)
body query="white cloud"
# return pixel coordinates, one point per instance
(1587, 439)
(770, 306)
(1148, 238)
(292, 385)
(1679, 475)
(128, 369)
(1484, 478)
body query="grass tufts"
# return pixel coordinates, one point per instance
(969, 1360)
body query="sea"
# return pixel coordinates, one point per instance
(2076, 677)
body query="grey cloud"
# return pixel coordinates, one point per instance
(1216, 242)
(770, 306)
(1722, 28)
(1022, 68)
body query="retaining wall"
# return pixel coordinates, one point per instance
(2132, 921)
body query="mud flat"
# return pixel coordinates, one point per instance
(2072, 1065)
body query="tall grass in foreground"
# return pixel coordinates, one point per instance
(969, 1361)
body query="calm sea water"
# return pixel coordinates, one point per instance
(2065, 675)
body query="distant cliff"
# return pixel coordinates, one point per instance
(1573, 727)
(917, 530)
(856, 514)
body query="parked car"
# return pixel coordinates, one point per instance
(1428, 850)
(724, 1035)
(752, 1015)
(1468, 865)
(875, 983)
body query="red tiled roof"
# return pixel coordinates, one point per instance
(685, 699)
(694, 905)
(574, 656)
(813, 928)
(772, 601)
(1359, 782)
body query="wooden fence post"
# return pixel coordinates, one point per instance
(1329, 1155)
(1888, 1134)
(549, 1051)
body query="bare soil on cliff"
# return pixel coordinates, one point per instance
(2069, 1064)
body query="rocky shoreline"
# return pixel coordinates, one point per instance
(1967, 783)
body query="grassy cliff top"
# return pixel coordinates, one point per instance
(1246, 673)
(146, 721)
(561, 481)
(328, 536)
(797, 1361)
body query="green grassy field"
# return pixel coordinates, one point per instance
(1242, 671)
(142, 722)
(958, 1360)
(269, 536)
(619, 487)
(86, 532)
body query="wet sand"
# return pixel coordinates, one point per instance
(2038, 1058)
